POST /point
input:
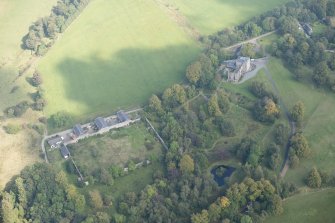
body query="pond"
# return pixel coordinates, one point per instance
(221, 172)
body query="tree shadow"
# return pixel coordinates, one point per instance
(126, 79)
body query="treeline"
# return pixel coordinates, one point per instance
(44, 31)
(40, 194)
(306, 11)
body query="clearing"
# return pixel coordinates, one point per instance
(309, 207)
(212, 15)
(319, 121)
(115, 54)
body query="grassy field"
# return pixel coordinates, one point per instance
(115, 148)
(212, 15)
(15, 18)
(116, 54)
(21, 149)
(308, 208)
(319, 121)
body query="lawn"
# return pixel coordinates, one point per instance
(319, 121)
(212, 15)
(115, 54)
(308, 208)
(115, 148)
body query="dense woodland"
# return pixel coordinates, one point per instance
(185, 190)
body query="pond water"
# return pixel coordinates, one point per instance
(221, 172)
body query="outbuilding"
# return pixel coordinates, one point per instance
(100, 123)
(122, 116)
(64, 151)
(55, 141)
(78, 130)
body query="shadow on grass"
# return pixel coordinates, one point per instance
(124, 80)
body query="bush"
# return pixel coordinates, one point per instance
(17, 110)
(60, 119)
(12, 128)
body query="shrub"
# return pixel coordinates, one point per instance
(60, 119)
(12, 128)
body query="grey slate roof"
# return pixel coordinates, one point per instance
(122, 116)
(78, 130)
(100, 123)
(64, 151)
(55, 141)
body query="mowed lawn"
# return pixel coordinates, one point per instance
(115, 55)
(318, 124)
(212, 15)
(308, 208)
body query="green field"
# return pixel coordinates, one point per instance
(212, 15)
(308, 208)
(115, 54)
(15, 18)
(319, 121)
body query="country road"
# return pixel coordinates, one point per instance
(253, 40)
(285, 165)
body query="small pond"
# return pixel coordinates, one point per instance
(221, 172)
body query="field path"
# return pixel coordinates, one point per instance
(285, 165)
(253, 40)
(179, 18)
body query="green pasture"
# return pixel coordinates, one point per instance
(211, 16)
(115, 54)
(15, 18)
(319, 121)
(308, 208)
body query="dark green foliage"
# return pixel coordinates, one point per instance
(226, 126)
(49, 27)
(274, 156)
(281, 134)
(18, 110)
(265, 110)
(314, 179)
(44, 195)
(248, 151)
(60, 119)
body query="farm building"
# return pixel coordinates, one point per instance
(55, 141)
(100, 123)
(237, 68)
(122, 116)
(64, 151)
(78, 130)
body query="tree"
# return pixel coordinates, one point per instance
(21, 192)
(299, 145)
(37, 79)
(193, 72)
(155, 104)
(280, 134)
(321, 74)
(9, 212)
(269, 23)
(95, 199)
(186, 164)
(314, 179)
(297, 112)
(202, 217)
(60, 119)
(246, 219)
(213, 106)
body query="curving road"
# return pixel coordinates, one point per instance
(285, 165)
